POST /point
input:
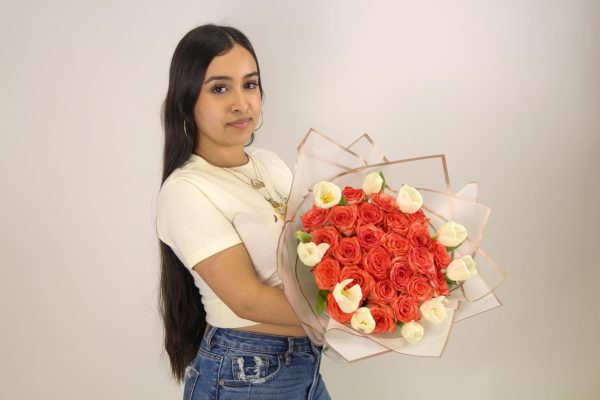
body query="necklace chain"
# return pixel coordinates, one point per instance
(257, 183)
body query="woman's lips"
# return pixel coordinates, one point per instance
(240, 124)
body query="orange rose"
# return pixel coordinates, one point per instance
(334, 311)
(360, 277)
(314, 218)
(418, 218)
(405, 308)
(398, 222)
(352, 195)
(384, 318)
(396, 244)
(377, 262)
(421, 261)
(383, 292)
(441, 257)
(327, 235)
(418, 287)
(384, 201)
(440, 285)
(400, 273)
(326, 273)
(348, 251)
(369, 236)
(344, 218)
(370, 214)
(418, 236)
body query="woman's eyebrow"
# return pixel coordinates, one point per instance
(228, 78)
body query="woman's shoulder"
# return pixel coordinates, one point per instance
(267, 157)
(260, 152)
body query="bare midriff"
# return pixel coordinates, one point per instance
(274, 329)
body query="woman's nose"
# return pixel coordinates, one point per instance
(239, 101)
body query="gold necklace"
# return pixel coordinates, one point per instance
(279, 207)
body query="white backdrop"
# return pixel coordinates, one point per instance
(508, 90)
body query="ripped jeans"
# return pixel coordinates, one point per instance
(232, 364)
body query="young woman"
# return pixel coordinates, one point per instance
(230, 332)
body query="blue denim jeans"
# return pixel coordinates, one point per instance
(232, 364)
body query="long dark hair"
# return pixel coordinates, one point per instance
(179, 300)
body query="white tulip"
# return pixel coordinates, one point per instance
(363, 320)
(347, 300)
(372, 183)
(412, 332)
(434, 310)
(409, 199)
(326, 194)
(451, 234)
(310, 253)
(461, 269)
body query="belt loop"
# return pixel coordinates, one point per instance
(288, 354)
(210, 331)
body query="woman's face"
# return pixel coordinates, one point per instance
(228, 106)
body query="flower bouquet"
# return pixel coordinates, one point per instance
(373, 269)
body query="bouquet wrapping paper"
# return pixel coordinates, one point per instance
(320, 158)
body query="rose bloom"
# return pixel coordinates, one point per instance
(421, 261)
(440, 285)
(334, 310)
(314, 218)
(384, 201)
(327, 235)
(348, 251)
(441, 257)
(418, 236)
(326, 273)
(370, 214)
(400, 273)
(352, 195)
(360, 277)
(369, 236)
(396, 244)
(419, 287)
(418, 218)
(384, 318)
(398, 222)
(344, 218)
(377, 262)
(383, 292)
(405, 308)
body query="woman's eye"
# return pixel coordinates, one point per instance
(219, 89)
(251, 85)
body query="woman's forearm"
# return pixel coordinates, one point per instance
(268, 305)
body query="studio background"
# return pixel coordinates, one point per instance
(508, 90)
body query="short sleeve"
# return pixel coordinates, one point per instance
(190, 224)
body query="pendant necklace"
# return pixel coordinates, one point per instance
(257, 183)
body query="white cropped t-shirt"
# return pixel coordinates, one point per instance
(203, 209)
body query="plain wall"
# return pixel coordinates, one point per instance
(508, 90)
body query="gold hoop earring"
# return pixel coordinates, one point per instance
(185, 130)
(262, 119)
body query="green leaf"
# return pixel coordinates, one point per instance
(303, 236)
(449, 281)
(343, 201)
(400, 324)
(382, 177)
(321, 301)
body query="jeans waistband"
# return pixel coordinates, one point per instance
(261, 342)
